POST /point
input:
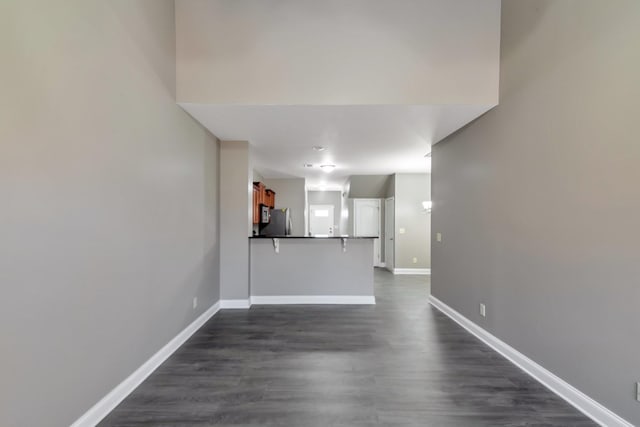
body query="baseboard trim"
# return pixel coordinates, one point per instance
(235, 303)
(572, 395)
(108, 403)
(314, 299)
(417, 271)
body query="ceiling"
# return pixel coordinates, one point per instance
(359, 140)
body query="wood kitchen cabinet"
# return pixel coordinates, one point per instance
(262, 196)
(270, 198)
(258, 196)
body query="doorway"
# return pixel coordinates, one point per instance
(321, 220)
(389, 232)
(366, 223)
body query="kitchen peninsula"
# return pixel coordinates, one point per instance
(311, 270)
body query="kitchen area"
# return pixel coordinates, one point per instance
(288, 267)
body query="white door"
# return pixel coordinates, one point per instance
(389, 231)
(366, 222)
(321, 220)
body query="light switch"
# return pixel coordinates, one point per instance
(438, 237)
(402, 231)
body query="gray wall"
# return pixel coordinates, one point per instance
(344, 214)
(331, 271)
(109, 197)
(368, 186)
(328, 198)
(390, 191)
(291, 193)
(410, 191)
(538, 200)
(414, 52)
(257, 177)
(236, 189)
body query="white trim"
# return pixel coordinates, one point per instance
(419, 271)
(382, 265)
(108, 403)
(235, 303)
(314, 299)
(575, 397)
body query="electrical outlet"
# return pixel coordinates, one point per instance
(195, 302)
(438, 237)
(483, 310)
(638, 391)
(415, 260)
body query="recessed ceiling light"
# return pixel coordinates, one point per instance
(319, 148)
(308, 165)
(327, 168)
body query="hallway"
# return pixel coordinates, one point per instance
(399, 363)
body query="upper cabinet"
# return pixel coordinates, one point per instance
(262, 196)
(270, 198)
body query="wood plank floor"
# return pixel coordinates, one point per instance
(399, 363)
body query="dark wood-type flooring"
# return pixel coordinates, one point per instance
(399, 363)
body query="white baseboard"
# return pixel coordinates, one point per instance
(575, 397)
(418, 271)
(314, 299)
(108, 403)
(235, 303)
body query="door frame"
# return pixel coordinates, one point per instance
(377, 243)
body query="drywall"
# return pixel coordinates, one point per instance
(291, 193)
(257, 177)
(368, 186)
(312, 267)
(305, 52)
(109, 202)
(328, 198)
(236, 205)
(344, 211)
(538, 200)
(391, 186)
(410, 191)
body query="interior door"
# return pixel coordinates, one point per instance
(389, 231)
(321, 220)
(366, 222)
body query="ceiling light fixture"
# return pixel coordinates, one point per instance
(327, 168)
(319, 148)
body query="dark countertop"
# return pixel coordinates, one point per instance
(313, 237)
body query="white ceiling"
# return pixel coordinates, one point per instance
(360, 140)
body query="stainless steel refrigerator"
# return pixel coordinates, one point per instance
(279, 225)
